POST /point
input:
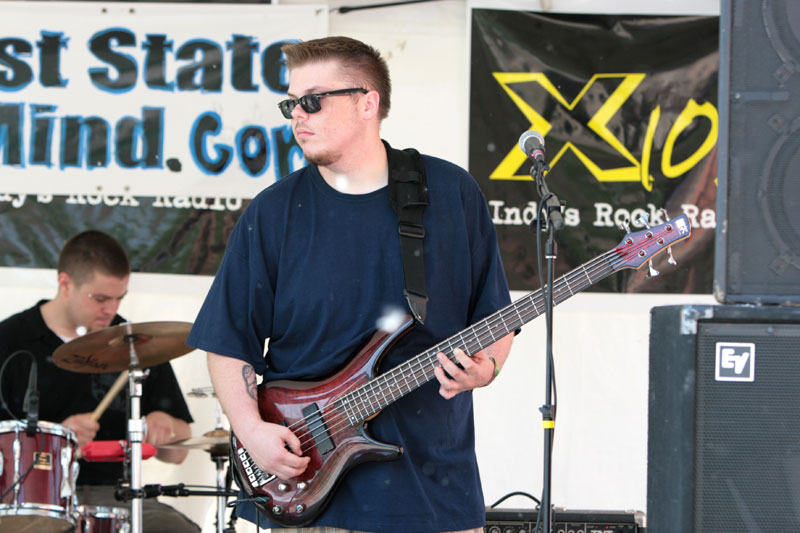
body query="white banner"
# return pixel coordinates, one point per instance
(140, 99)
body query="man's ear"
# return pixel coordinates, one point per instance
(372, 104)
(65, 283)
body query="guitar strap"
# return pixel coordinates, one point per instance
(408, 194)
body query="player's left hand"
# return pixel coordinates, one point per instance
(474, 372)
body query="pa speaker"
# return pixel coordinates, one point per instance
(757, 253)
(724, 419)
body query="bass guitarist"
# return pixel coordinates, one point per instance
(314, 266)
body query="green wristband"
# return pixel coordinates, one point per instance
(496, 370)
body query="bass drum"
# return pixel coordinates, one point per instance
(37, 478)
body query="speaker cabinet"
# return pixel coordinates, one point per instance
(724, 419)
(757, 248)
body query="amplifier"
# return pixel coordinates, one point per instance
(565, 521)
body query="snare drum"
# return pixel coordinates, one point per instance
(44, 499)
(98, 519)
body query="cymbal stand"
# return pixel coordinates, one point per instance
(219, 460)
(135, 433)
(222, 499)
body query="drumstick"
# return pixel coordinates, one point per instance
(112, 392)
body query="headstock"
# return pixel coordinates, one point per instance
(641, 246)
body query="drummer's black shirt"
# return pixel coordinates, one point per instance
(63, 393)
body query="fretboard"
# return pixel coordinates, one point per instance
(373, 396)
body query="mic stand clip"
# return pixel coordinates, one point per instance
(552, 205)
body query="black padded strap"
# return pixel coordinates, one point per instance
(408, 194)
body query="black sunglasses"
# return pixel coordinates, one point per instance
(310, 102)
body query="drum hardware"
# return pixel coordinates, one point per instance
(221, 493)
(217, 443)
(131, 347)
(101, 519)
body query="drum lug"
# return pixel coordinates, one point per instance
(66, 470)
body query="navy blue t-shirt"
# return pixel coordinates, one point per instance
(312, 270)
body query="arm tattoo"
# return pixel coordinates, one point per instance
(249, 377)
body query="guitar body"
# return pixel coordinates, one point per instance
(309, 409)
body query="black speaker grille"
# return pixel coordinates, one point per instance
(759, 204)
(747, 455)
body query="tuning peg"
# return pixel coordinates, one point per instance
(653, 272)
(644, 220)
(626, 225)
(671, 259)
(664, 214)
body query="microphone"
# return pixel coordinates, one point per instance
(532, 143)
(31, 403)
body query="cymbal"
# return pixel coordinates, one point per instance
(108, 350)
(216, 442)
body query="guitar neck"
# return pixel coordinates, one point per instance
(372, 397)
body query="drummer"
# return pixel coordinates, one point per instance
(93, 274)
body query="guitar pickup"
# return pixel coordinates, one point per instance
(319, 431)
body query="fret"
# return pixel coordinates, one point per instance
(568, 287)
(381, 389)
(371, 400)
(362, 404)
(586, 273)
(346, 407)
(396, 388)
(516, 310)
(461, 338)
(404, 382)
(414, 373)
(505, 326)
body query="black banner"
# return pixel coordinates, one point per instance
(627, 108)
(171, 235)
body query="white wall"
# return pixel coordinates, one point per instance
(601, 340)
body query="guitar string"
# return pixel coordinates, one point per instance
(425, 363)
(337, 426)
(334, 414)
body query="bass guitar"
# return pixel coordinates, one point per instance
(330, 416)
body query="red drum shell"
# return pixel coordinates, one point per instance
(44, 501)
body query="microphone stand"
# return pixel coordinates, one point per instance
(551, 207)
